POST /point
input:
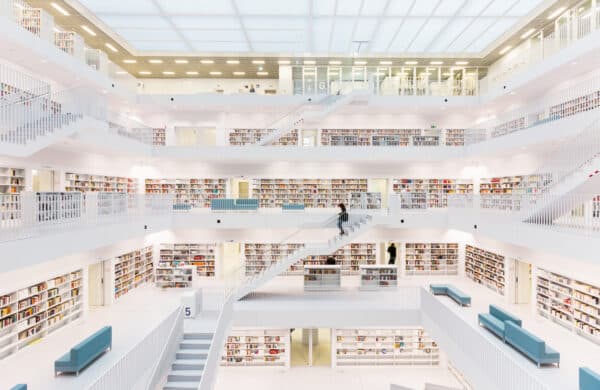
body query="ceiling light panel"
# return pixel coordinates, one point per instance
(342, 35)
(406, 33)
(423, 7)
(135, 21)
(493, 33)
(373, 7)
(120, 7)
(274, 22)
(169, 46)
(183, 7)
(454, 28)
(272, 7)
(523, 8)
(321, 28)
(399, 7)
(429, 32)
(474, 8)
(279, 47)
(385, 33)
(276, 35)
(207, 22)
(475, 30)
(448, 7)
(223, 47)
(499, 7)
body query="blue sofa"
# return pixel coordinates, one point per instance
(588, 379)
(85, 352)
(447, 289)
(495, 321)
(530, 345)
(292, 206)
(20, 386)
(182, 207)
(234, 204)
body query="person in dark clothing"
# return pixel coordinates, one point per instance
(330, 260)
(392, 251)
(342, 217)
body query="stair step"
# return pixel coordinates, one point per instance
(195, 344)
(181, 385)
(184, 376)
(188, 364)
(190, 355)
(197, 336)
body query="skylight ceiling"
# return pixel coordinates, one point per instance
(319, 27)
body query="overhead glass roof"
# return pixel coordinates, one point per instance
(319, 27)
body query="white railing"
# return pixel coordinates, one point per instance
(126, 373)
(482, 358)
(167, 355)
(18, 86)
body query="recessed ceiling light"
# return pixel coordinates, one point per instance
(60, 9)
(168, 73)
(385, 62)
(239, 73)
(411, 62)
(192, 73)
(215, 73)
(145, 72)
(556, 13)
(207, 62)
(233, 62)
(129, 61)
(360, 62)
(88, 30)
(335, 62)
(258, 62)
(121, 72)
(111, 47)
(528, 33)
(436, 62)
(181, 61)
(446, 74)
(401, 74)
(283, 62)
(262, 73)
(155, 61)
(432, 68)
(309, 62)
(507, 48)
(462, 62)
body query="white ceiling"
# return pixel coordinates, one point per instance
(318, 27)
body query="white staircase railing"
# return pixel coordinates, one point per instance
(167, 355)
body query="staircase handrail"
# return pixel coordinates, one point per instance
(161, 365)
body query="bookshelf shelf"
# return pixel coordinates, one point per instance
(174, 277)
(490, 188)
(383, 346)
(200, 256)
(31, 313)
(322, 277)
(259, 256)
(390, 137)
(486, 268)
(132, 269)
(69, 42)
(378, 277)
(257, 347)
(241, 137)
(429, 193)
(196, 192)
(12, 180)
(159, 136)
(570, 303)
(364, 201)
(431, 258)
(98, 183)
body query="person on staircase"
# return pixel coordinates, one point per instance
(330, 261)
(342, 218)
(392, 252)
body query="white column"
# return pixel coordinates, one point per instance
(286, 82)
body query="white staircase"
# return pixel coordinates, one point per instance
(188, 367)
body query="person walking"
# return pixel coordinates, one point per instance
(342, 217)
(392, 251)
(330, 260)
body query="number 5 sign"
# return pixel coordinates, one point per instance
(188, 301)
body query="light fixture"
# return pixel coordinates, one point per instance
(283, 62)
(258, 62)
(121, 72)
(129, 61)
(436, 63)
(527, 33)
(309, 62)
(111, 47)
(168, 73)
(401, 74)
(360, 62)
(60, 9)
(446, 74)
(239, 73)
(462, 62)
(335, 62)
(88, 30)
(181, 61)
(411, 62)
(556, 13)
(207, 62)
(56, 30)
(191, 73)
(215, 73)
(432, 68)
(385, 62)
(155, 61)
(262, 73)
(145, 72)
(506, 49)
(233, 62)
(425, 74)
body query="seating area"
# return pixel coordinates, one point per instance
(449, 290)
(84, 353)
(20, 386)
(234, 204)
(182, 207)
(509, 329)
(588, 379)
(292, 207)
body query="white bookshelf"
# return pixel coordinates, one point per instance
(259, 256)
(313, 193)
(570, 303)
(431, 258)
(574, 106)
(455, 137)
(364, 201)
(195, 192)
(368, 137)
(378, 277)
(383, 346)
(430, 193)
(490, 188)
(322, 278)
(83, 182)
(12, 180)
(70, 42)
(257, 347)
(132, 269)
(349, 257)
(200, 256)
(31, 313)
(485, 268)
(159, 136)
(241, 137)
(174, 277)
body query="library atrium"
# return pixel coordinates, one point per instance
(322, 194)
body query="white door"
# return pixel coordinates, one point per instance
(96, 291)
(522, 282)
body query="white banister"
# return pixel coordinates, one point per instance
(167, 355)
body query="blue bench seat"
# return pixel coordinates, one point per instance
(292, 206)
(84, 353)
(224, 204)
(588, 379)
(447, 289)
(495, 321)
(530, 345)
(20, 386)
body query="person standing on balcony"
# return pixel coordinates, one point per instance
(342, 217)
(392, 252)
